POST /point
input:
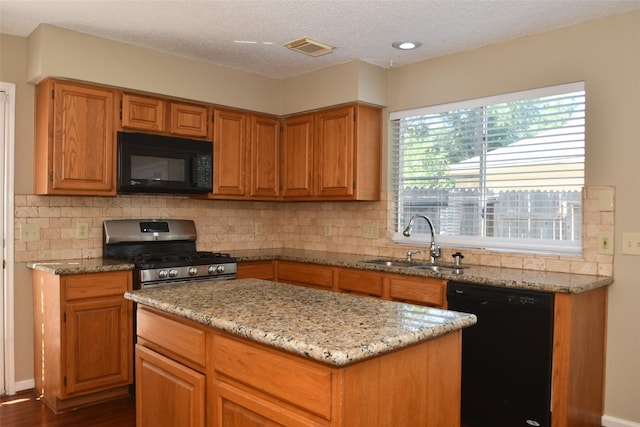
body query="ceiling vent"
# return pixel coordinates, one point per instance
(310, 47)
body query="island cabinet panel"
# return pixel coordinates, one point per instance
(360, 282)
(74, 139)
(275, 374)
(183, 342)
(311, 275)
(83, 326)
(249, 384)
(168, 393)
(256, 270)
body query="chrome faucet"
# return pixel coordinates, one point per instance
(434, 249)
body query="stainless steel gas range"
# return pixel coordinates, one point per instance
(164, 252)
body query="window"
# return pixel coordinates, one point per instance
(502, 173)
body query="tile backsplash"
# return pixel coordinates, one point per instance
(348, 227)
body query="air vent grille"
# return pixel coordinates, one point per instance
(310, 47)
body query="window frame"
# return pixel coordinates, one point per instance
(547, 246)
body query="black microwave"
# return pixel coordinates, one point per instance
(150, 163)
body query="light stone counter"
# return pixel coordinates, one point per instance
(333, 328)
(79, 266)
(483, 275)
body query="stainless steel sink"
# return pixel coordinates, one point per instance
(417, 265)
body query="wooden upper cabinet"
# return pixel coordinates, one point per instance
(265, 157)
(297, 157)
(246, 153)
(75, 139)
(146, 113)
(333, 154)
(143, 113)
(188, 120)
(229, 153)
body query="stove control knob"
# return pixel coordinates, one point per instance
(162, 274)
(215, 269)
(173, 273)
(193, 271)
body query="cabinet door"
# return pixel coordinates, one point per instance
(83, 140)
(188, 120)
(265, 157)
(334, 150)
(99, 337)
(297, 157)
(167, 393)
(142, 113)
(229, 153)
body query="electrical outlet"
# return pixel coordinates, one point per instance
(259, 228)
(605, 243)
(327, 230)
(29, 232)
(631, 243)
(82, 231)
(370, 231)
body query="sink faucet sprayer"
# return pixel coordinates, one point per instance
(434, 250)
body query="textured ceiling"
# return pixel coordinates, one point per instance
(249, 34)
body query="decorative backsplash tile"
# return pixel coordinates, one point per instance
(347, 227)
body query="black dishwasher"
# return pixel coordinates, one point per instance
(506, 356)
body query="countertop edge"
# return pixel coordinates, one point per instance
(335, 356)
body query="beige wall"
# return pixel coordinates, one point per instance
(604, 53)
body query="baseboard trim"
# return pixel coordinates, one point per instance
(608, 421)
(25, 385)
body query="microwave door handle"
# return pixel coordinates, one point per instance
(194, 172)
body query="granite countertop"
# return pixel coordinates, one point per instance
(79, 266)
(333, 328)
(494, 276)
(483, 275)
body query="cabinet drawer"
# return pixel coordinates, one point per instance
(175, 338)
(81, 286)
(256, 270)
(297, 273)
(422, 291)
(359, 281)
(305, 385)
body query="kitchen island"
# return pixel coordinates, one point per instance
(254, 352)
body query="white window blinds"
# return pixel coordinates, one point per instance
(504, 172)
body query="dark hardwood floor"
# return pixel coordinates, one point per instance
(25, 410)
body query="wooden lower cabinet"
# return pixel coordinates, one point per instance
(245, 384)
(264, 270)
(83, 331)
(167, 393)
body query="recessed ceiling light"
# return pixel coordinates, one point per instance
(406, 45)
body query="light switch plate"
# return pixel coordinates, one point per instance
(605, 243)
(631, 243)
(29, 232)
